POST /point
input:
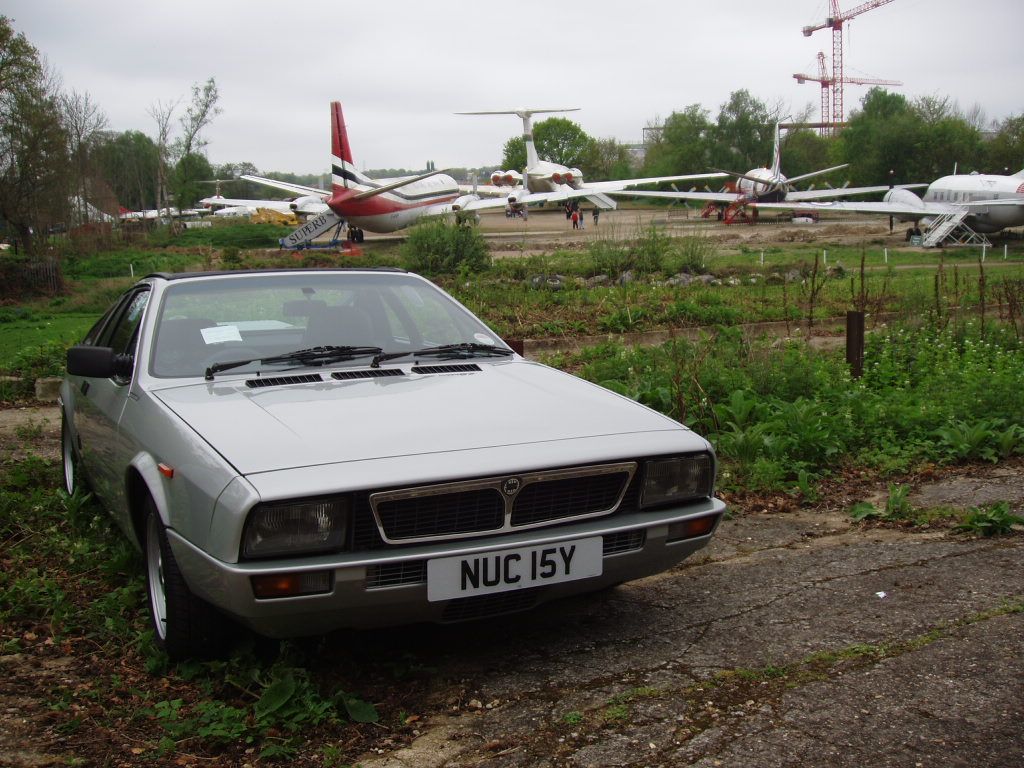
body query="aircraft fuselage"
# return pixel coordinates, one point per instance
(978, 187)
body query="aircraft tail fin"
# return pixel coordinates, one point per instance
(776, 155)
(341, 152)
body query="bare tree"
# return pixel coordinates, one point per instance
(84, 120)
(200, 113)
(161, 113)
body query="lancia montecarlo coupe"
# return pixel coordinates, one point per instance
(300, 451)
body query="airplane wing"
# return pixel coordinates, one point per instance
(866, 206)
(276, 205)
(826, 194)
(713, 197)
(893, 208)
(614, 186)
(486, 190)
(287, 186)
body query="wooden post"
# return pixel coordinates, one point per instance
(855, 343)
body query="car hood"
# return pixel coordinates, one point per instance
(307, 424)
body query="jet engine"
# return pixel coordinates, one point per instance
(299, 204)
(570, 176)
(461, 202)
(506, 178)
(903, 197)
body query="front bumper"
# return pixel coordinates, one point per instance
(383, 587)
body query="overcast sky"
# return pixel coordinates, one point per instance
(402, 67)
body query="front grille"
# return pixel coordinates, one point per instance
(624, 541)
(396, 574)
(568, 497)
(485, 606)
(276, 381)
(478, 510)
(499, 504)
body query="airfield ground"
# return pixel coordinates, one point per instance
(797, 638)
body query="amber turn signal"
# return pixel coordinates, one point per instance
(273, 585)
(692, 528)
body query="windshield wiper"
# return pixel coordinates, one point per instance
(311, 356)
(463, 350)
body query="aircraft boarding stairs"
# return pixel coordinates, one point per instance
(950, 228)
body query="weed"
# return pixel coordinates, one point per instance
(897, 507)
(993, 520)
(572, 718)
(31, 430)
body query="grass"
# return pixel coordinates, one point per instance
(40, 330)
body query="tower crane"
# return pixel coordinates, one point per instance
(828, 81)
(835, 22)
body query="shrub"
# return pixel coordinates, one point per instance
(435, 247)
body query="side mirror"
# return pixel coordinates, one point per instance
(98, 362)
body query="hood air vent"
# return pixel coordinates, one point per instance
(465, 368)
(376, 373)
(276, 381)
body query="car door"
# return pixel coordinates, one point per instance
(100, 402)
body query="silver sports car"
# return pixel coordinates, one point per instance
(303, 450)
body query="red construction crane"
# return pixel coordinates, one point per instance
(828, 82)
(836, 21)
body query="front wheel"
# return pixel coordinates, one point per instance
(184, 625)
(69, 458)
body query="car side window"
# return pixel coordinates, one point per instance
(120, 335)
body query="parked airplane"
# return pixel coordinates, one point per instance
(769, 185)
(310, 204)
(380, 205)
(386, 205)
(984, 202)
(546, 181)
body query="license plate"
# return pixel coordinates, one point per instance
(511, 569)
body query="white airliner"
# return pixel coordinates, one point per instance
(380, 205)
(988, 202)
(759, 186)
(546, 181)
(308, 204)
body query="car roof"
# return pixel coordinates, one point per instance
(279, 271)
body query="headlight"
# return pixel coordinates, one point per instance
(677, 479)
(295, 529)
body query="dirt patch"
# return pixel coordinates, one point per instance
(29, 430)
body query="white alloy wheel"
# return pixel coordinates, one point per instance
(155, 576)
(68, 458)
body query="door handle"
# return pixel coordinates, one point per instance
(85, 387)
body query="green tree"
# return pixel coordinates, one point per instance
(1005, 153)
(191, 166)
(34, 183)
(804, 151)
(607, 160)
(557, 140)
(128, 162)
(880, 136)
(744, 133)
(185, 181)
(683, 144)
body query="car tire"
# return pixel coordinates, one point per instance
(70, 464)
(184, 625)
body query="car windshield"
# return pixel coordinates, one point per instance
(227, 319)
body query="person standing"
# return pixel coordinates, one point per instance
(575, 219)
(597, 214)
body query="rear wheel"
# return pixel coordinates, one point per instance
(184, 625)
